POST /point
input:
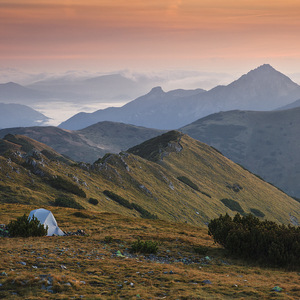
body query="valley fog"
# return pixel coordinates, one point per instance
(61, 111)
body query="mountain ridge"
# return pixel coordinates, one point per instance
(263, 88)
(266, 143)
(90, 143)
(157, 187)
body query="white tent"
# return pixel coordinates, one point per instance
(46, 218)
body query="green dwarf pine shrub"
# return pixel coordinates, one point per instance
(61, 183)
(67, 202)
(25, 227)
(93, 201)
(202, 250)
(147, 247)
(263, 241)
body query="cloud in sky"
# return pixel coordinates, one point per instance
(159, 34)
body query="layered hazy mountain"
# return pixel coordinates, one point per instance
(157, 109)
(16, 115)
(261, 89)
(105, 87)
(15, 93)
(266, 143)
(291, 105)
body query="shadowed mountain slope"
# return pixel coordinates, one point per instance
(289, 106)
(266, 143)
(261, 89)
(89, 143)
(189, 182)
(16, 115)
(157, 109)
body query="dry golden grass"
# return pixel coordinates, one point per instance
(76, 267)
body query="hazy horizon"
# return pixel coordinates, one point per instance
(185, 44)
(229, 37)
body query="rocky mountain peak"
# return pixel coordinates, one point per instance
(157, 90)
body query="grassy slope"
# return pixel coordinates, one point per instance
(266, 143)
(212, 172)
(154, 185)
(94, 271)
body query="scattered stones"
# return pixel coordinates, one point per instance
(79, 232)
(206, 282)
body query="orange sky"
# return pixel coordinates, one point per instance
(105, 35)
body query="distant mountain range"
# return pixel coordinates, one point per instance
(261, 89)
(114, 88)
(15, 93)
(16, 115)
(156, 109)
(105, 87)
(266, 143)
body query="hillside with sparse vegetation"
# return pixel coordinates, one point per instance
(111, 261)
(144, 214)
(173, 177)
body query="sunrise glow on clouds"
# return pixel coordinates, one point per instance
(158, 34)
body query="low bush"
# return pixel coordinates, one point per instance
(144, 213)
(188, 182)
(233, 205)
(67, 202)
(93, 201)
(263, 241)
(191, 184)
(118, 199)
(257, 212)
(147, 247)
(201, 250)
(25, 227)
(82, 215)
(63, 184)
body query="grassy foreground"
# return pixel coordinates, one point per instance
(89, 267)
